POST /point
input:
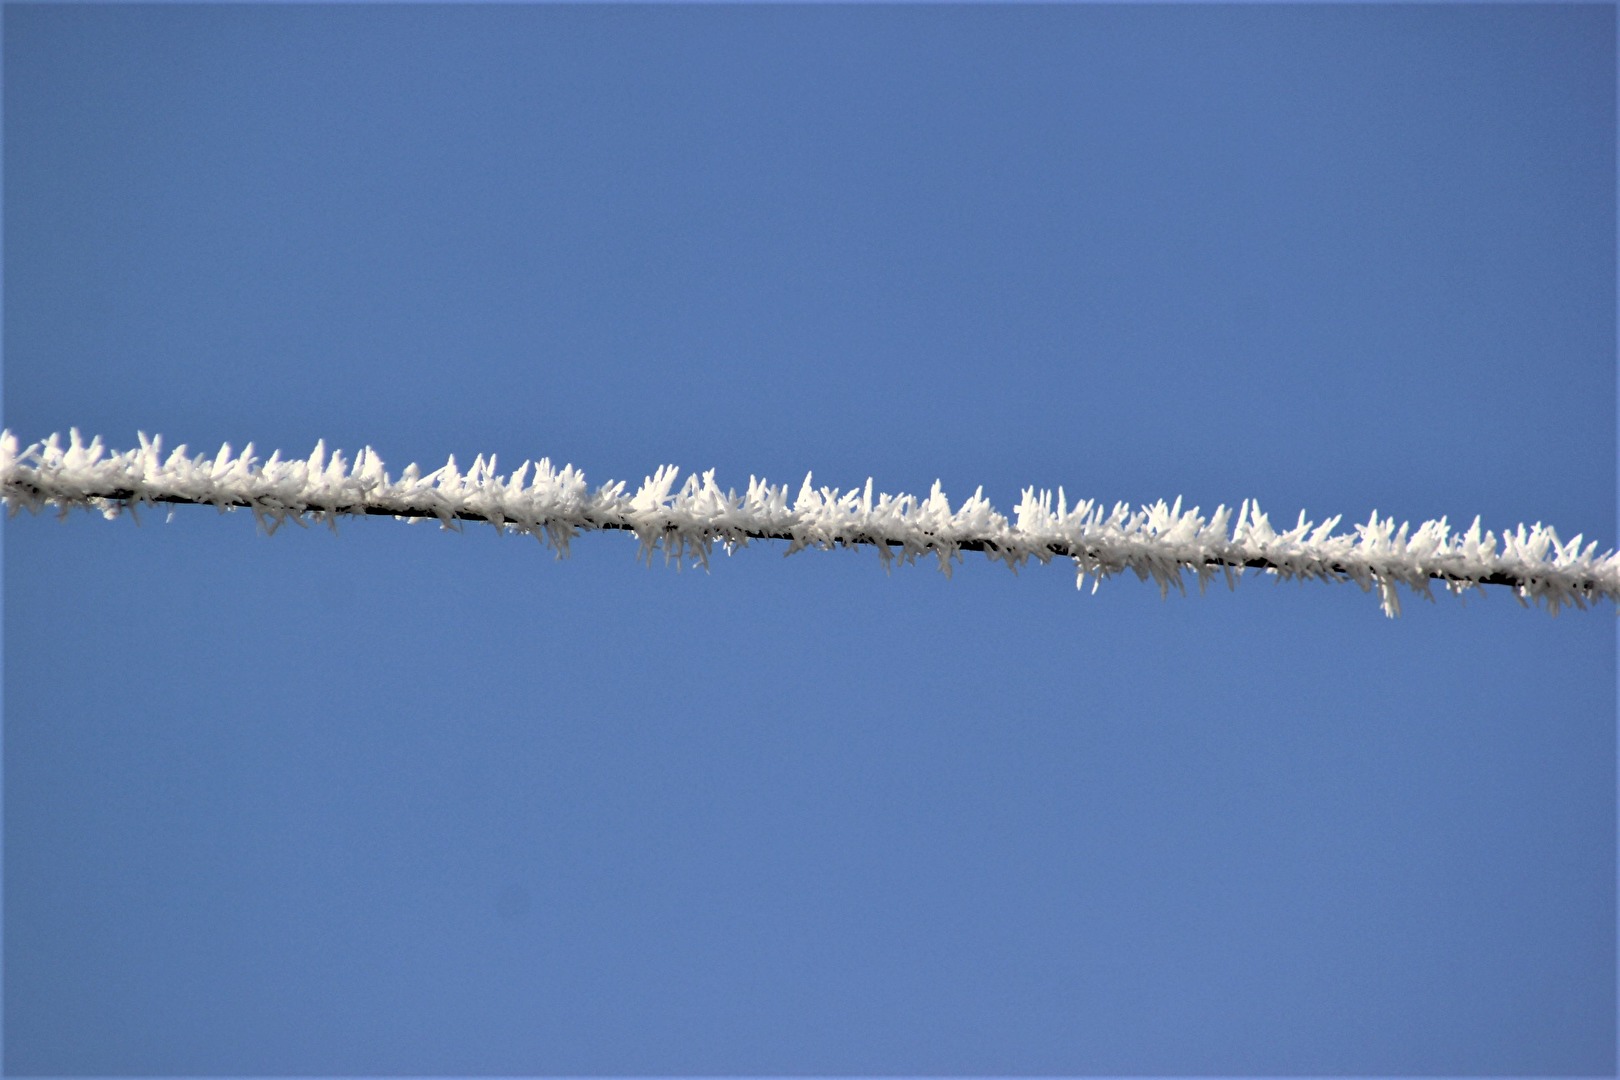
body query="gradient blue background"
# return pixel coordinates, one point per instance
(404, 801)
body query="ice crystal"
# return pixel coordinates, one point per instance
(685, 519)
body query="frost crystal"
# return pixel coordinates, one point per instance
(686, 518)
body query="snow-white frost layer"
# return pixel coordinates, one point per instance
(687, 518)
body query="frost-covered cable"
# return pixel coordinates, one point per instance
(1162, 542)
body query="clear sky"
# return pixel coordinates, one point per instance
(408, 801)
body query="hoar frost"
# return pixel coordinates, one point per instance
(686, 518)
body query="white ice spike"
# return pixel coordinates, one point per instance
(686, 519)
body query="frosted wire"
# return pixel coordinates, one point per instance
(688, 517)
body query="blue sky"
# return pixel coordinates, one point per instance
(407, 801)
